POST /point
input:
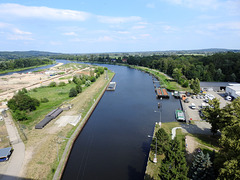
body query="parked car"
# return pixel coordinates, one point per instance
(193, 106)
(186, 100)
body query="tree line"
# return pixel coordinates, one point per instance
(216, 67)
(227, 121)
(23, 63)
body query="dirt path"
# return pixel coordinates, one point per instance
(13, 166)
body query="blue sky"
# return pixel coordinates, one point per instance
(92, 26)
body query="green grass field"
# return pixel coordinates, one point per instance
(55, 95)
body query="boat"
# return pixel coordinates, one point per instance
(176, 94)
(180, 115)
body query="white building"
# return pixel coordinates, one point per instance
(233, 90)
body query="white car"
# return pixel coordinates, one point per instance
(193, 106)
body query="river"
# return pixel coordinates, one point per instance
(114, 144)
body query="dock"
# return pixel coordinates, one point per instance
(111, 86)
(162, 92)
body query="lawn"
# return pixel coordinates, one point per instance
(55, 95)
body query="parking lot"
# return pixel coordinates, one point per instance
(193, 114)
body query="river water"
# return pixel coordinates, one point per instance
(114, 144)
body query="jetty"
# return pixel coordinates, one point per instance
(162, 93)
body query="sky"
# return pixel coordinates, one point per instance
(98, 26)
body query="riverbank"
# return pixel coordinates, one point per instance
(165, 80)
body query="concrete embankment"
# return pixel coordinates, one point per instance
(68, 148)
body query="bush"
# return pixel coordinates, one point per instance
(79, 88)
(87, 83)
(24, 90)
(52, 84)
(44, 100)
(73, 92)
(62, 84)
(20, 115)
(69, 81)
(92, 79)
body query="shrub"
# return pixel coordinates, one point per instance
(44, 100)
(62, 84)
(92, 79)
(87, 83)
(73, 92)
(79, 88)
(52, 84)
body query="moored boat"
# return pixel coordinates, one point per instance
(180, 115)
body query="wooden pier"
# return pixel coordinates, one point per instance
(162, 92)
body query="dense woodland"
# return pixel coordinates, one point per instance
(23, 63)
(216, 67)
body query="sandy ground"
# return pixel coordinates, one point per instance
(14, 82)
(43, 145)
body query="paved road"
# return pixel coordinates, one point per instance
(10, 170)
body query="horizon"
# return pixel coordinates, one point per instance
(87, 27)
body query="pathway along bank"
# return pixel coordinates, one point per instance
(72, 139)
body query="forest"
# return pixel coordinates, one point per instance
(217, 67)
(23, 63)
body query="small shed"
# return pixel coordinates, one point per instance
(5, 153)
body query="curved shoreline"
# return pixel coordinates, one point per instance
(61, 166)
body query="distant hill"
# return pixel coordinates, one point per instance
(4, 55)
(24, 54)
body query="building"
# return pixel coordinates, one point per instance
(233, 91)
(216, 86)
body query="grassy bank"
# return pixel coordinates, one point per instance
(164, 80)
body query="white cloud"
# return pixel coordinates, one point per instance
(150, 5)
(19, 37)
(118, 20)
(138, 27)
(224, 25)
(20, 32)
(105, 39)
(123, 32)
(70, 34)
(42, 12)
(202, 4)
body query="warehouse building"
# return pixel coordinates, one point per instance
(216, 86)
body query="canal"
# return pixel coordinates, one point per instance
(114, 143)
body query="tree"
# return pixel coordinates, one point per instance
(79, 88)
(174, 165)
(23, 102)
(201, 167)
(177, 74)
(162, 141)
(212, 114)
(73, 92)
(230, 135)
(195, 85)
